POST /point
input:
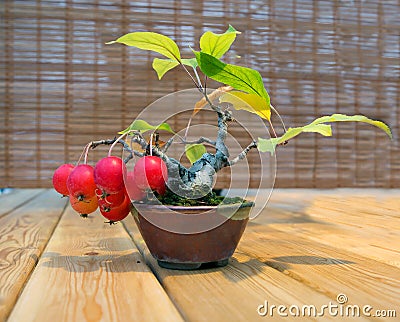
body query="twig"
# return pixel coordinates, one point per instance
(214, 107)
(138, 138)
(200, 140)
(126, 147)
(167, 145)
(95, 144)
(242, 155)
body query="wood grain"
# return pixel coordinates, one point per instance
(91, 271)
(326, 269)
(329, 241)
(276, 260)
(24, 233)
(365, 222)
(231, 293)
(305, 248)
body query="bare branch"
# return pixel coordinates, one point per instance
(167, 145)
(200, 140)
(242, 155)
(95, 144)
(126, 147)
(138, 138)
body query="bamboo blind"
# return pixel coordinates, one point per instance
(61, 87)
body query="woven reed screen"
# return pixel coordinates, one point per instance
(61, 87)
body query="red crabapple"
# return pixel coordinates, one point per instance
(111, 198)
(117, 213)
(80, 182)
(109, 174)
(60, 177)
(150, 172)
(84, 207)
(134, 192)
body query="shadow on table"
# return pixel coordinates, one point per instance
(237, 271)
(311, 260)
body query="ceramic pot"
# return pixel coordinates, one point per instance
(192, 237)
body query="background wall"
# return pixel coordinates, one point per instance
(61, 87)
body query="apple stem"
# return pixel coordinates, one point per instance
(116, 141)
(151, 144)
(87, 152)
(84, 153)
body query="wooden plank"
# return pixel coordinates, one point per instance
(24, 233)
(381, 248)
(231, 293)
(326, 269)
(364, 222)
(368, 211)
(91, 271)
(319, 269)
(16, 198)
(336, 241)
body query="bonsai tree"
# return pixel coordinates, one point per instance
(155, 171)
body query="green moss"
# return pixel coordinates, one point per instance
(211, 199)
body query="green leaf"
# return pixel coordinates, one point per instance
(318, 126)
(151, 41)
(354, 118)
(161, 66)
(143, 126)
(268, 145)
(218, 44)
(249, 102)
(241, 78)
(192, 62)
(194, 152)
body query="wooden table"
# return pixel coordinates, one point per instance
(305, 249)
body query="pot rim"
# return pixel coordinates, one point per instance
(203, 208)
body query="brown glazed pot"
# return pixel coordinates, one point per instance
(191, 237)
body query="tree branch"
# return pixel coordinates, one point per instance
(242, 155)
(126, 147)
(201, 140)
(167, 145)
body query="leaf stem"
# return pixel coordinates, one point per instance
(272, 128)
(279, 116)
(197, 77)
(198, 86)
(187, 127)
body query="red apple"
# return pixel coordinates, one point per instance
(134, 192)
(151, 172)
